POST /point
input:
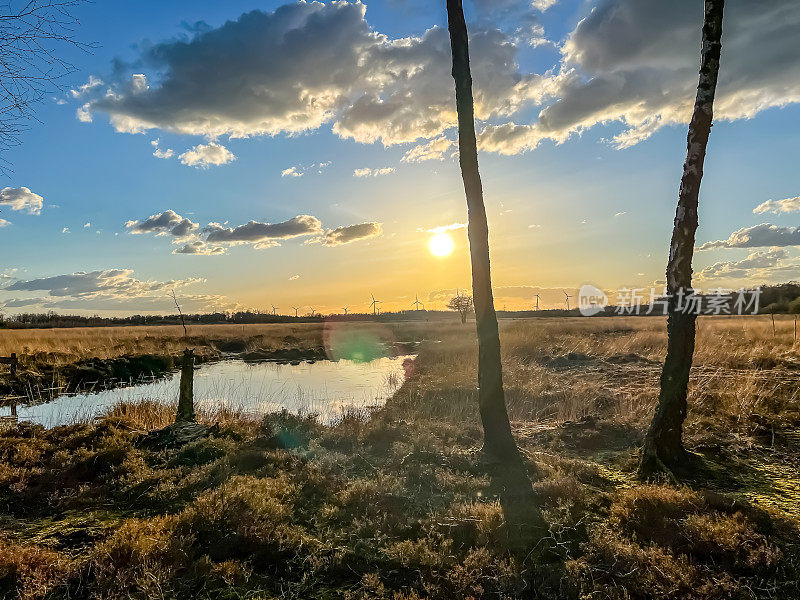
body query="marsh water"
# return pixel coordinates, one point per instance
(326, 388)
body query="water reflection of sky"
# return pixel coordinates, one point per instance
(326, 388)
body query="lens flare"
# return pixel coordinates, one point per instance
(441, 245)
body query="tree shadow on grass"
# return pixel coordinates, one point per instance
(526, 529)
(757, 475)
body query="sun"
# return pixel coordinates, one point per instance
(441, 245)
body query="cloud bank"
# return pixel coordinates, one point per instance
(306, 65)
(214, 238)
(628, 63)
(635, 62)
(110, 289)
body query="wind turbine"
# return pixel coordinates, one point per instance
(274, 308)
(374, 304)
(296, 308)
(312, 310)
(344, 308)
(537, 301)
(567, 298)
(417, 303)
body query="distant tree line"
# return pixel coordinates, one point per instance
(777, 299)
(783, 298)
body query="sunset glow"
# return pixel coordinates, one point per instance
(441, 245)
(266, 182)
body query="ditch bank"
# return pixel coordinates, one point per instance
(39, 379)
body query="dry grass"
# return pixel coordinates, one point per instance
(396, 506)
(147, 415)
(70, 345)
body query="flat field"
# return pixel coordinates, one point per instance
(396, 504)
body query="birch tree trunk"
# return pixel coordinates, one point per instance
(498, 442)
(663, 446)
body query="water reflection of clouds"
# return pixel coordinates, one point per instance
(325, 388)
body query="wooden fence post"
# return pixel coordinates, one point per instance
(186, 394)
(13, 376)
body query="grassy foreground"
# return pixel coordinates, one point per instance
(396, 505)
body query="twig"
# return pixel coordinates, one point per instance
(185, 334)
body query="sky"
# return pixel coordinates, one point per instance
(256, 154)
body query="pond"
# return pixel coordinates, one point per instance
(326, 388)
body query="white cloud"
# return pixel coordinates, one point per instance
(291, 172)
(199, 247)
(84, 113)
(138, 83)
(433, 150)
(159, 153)
(21, 198)
(444, 228)
(787, 205)
(4, 223)
(367, 172)
(765, 234)
(542, 5)
(263, 235)
(759, 265)
(294, 277)
(87, 87)
(66, 230)
(299, 171)
(87, 225)
(204, 156)
(108, 283)
(351, 233)
(166, 223)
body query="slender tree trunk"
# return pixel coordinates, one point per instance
(186, 394)
(663, 446)
(498, 441)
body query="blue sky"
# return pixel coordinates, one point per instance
(571, 198)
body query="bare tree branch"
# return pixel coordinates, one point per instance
(32, 32)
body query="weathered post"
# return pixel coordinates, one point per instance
(13, 376)
(186, 394)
